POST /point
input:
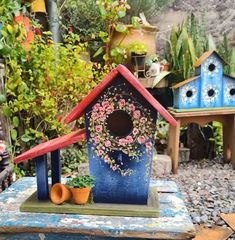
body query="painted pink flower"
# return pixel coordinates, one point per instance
(96, 107)
(122, 102)
(131, 107)
(122, 141)
(105, 104)
(97, 139)
(143, 120)
(141, 139)
(100, 152)
(98, 128)
(94, 115)
(135, 131)
(115, 167)
(129, 139)
(2, 147)
(148, 145)
(136, 114)
(109, 109)
(107, 143)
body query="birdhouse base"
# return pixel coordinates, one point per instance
(32, 204)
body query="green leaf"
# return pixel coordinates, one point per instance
(192, 50)
(15, 121)
(135, 21)
(232, 63)
(13, 134)
(121, 14)
(211, 43)
(98, 52)
(159, 77)
(121, 28)
(26, 138)
(7, 111)
(3, 99)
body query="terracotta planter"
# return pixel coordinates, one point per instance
(80, 195)
(37, 6)
(60, 193)
(165, 67)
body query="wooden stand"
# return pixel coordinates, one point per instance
(225, 116)
(32, 204)
(174, 221)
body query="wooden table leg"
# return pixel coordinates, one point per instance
(173, 146)
(229, 139)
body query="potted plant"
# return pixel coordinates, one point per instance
(138, 52)
(81, 187)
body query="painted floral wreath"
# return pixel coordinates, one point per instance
(104, 142)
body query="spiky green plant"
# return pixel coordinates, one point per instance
(186, 44)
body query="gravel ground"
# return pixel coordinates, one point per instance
(208, 188)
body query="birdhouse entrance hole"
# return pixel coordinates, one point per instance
(211, 92)
(211, 67)
(189, 93)
(232, 91)
(119, 123)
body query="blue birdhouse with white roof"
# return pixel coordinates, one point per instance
(211, 88)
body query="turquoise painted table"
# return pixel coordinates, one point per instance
(174, 221)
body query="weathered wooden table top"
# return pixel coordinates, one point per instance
(174, 221)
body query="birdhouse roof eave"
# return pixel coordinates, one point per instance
(79, 110)
(185, 82)
(204, 56)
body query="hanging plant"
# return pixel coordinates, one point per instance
(105, 142)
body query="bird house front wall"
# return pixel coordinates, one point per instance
(189, 95)
(228, 91)
(211, 82)
(120, 125)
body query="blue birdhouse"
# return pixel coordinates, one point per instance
(120, 119)
(209, 89)
(120, 122)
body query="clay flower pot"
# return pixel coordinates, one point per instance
(80, 195)
(60, 193)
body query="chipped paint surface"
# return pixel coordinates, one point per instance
(174, 221)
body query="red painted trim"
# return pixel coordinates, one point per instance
(80, 108)
(52, 145)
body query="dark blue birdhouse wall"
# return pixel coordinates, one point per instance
(228, 91)
(211, 82)
(188, 96)
(120, 125)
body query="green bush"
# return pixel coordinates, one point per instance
(43, 85)
(72, 157)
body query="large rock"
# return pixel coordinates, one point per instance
(161, 165)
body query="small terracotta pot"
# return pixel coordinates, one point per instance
(60, 193)
(80, 195)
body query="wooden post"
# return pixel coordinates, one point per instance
(55, 167)
(173, 146)
(42, 177)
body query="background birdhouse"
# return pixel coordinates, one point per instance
(209, 89)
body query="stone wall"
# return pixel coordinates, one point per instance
(219, 15)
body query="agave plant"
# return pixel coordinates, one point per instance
(186, 44)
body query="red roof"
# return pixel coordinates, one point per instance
(78, 111)
(52, 145)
